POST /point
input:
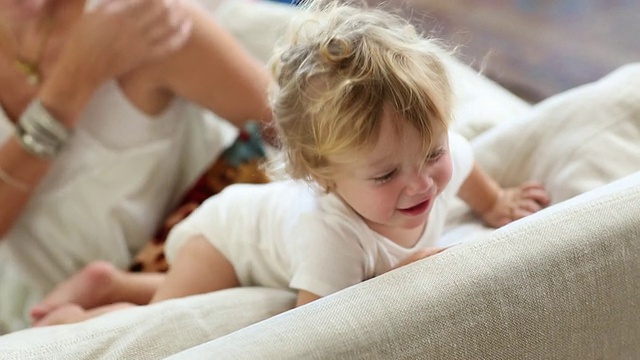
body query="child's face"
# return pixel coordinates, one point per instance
(392, 187)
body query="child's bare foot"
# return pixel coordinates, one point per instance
(87, 289)
(73, 313)
(63, 314)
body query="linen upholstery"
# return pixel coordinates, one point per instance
(149, 332)
(572, 142)
(562, 284)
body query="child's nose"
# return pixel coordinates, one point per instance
(420, 182)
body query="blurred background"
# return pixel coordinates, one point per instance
(535, 48)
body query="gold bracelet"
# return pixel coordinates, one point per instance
(10, 180)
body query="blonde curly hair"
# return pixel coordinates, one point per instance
(337, 67)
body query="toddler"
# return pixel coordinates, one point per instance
(362, 105)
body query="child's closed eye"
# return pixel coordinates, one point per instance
(436, 155)
(384, 178)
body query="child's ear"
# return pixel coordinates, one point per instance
(328, 185)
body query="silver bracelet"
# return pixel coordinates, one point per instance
(40, 133)
(10, 180)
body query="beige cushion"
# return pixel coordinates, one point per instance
(572, 142)
(149, 332)
(479, 103)
(562, 284)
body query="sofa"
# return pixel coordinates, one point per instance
(563, 283)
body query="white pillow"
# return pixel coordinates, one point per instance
(479, 103)
(150, 332)
(573, 142)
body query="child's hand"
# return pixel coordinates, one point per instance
(515, 203)
(420, 254)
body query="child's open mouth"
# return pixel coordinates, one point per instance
(417, 209)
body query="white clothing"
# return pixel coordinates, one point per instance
(287, 235)
(104, 195)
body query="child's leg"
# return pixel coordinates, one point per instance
(100, 283)
(199, 268)
(72, 313)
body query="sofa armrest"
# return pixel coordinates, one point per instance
(563, 284)
(149, 332)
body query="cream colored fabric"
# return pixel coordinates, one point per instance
(479, 103)
(562, 284)
(149, 332)
(572, 142)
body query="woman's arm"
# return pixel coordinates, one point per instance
(215, 71)
(111, 40)
(498, 206)
(104, 43)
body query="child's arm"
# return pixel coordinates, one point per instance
(419, 255)
(498, 206)
(305, 297)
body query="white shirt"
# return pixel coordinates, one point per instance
(104, 195)
(286, 234)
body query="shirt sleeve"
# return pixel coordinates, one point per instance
(328, 256)
(462, 159)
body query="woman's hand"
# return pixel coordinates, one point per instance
(119, 35)
(111, 40)
(516, 203)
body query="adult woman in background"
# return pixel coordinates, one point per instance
(93, 129)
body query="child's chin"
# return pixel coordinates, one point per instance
(418, 221)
